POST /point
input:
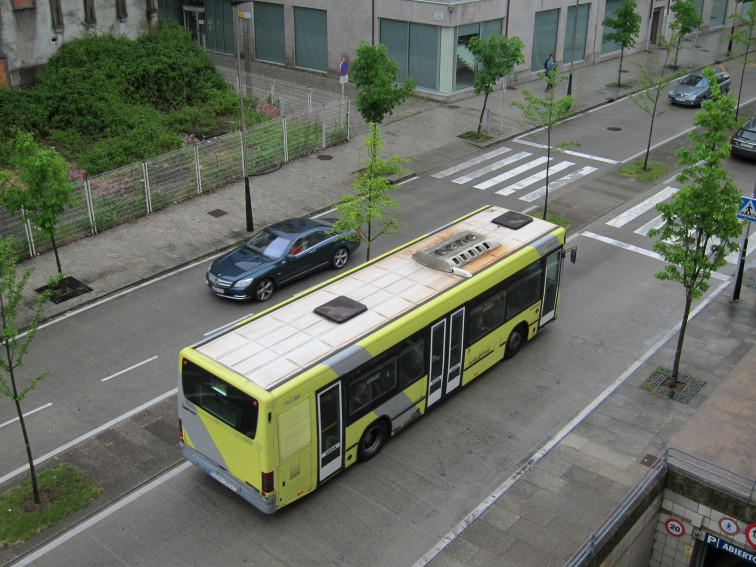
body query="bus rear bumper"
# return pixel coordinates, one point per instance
(266, 504)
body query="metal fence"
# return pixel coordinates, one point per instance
(309, 120)
(670, 458)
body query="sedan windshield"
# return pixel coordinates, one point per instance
(695, 81)
(268, 244)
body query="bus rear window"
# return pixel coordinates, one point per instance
(219, 398)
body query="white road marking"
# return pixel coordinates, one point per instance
(657, 222)
(27, 414)
(89, 435)
(470, 163)
(511, 173)
(566, 430)
(489, 168)
(569, 152)
(556, 184)
(640, 208)
(557, 167)
(129, 368)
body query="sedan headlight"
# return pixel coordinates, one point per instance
(244, 283)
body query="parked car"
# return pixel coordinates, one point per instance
(694, 88)
(743, 141)
(278, 254)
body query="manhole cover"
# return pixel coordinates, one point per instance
(614, 129)
(648, 460)
(217, 213)
(324, 157)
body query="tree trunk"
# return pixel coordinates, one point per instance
(677, 51)
(482, 112)
(55, 249)
(681, 338)
(548, 161)
(619, 74)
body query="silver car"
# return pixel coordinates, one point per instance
(694, 88)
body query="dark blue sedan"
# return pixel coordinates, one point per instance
(278, 254)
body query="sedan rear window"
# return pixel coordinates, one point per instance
(268, 244)
(747, 135)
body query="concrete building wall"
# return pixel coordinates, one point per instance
(28, 37)
(635, 547)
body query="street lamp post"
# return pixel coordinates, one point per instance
(572, 57)
(247, 195)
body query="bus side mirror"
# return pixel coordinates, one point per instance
(573, 253)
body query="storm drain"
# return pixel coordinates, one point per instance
(217, 213)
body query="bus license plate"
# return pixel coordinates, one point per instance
(223, 481)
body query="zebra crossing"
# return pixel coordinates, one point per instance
(514, 165)
(643, 217)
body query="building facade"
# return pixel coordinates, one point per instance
(32, 30)
(429, 38)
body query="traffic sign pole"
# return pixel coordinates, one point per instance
(741, 258)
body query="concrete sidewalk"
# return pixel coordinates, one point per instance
(575, 485)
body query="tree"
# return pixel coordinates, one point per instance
(687, 19)
(496, 56)
(16, 347)
(373, 202)
(700, 223)
(546, 112)
(745, 36)
(39, 187)
(647, 98)
(626, 24)
(375, 79)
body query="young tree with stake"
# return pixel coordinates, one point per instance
(626, 25)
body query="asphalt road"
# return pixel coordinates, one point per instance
(122, 353)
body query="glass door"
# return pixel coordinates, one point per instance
(437, 356)
(456, 350)
(330, 445)
(551, 288)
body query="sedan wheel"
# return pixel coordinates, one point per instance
(264, 289)
(340, 258)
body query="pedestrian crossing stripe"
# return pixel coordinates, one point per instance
(553, 186)
(642, 207)
(568, 152)
(747, 209)
(556, 168)
(512, 173)
(492, 167)
(469, 163)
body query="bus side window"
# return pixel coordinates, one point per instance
(410, 365)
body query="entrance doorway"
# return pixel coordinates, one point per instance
(194, 23)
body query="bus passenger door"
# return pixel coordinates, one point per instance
(330, 442)
(446, 351)
(456, 335)
(551, 289)
(437, 356)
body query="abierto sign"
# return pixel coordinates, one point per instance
(731, 548)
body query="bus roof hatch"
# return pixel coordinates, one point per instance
(455, 251)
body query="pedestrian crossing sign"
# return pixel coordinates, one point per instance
(747, 209)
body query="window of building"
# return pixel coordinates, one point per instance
(121, 12)
(415, 47)
(311, 39)
(575, 36)
(89, 13)
(609, 12)
(545, 31)
(464, 75)
(718, 13)
(56, 15)
(269, 32)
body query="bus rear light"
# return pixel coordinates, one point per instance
(267, 483)
(181, 432)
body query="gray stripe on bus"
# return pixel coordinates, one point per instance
(200, 437)
(347, 359)
(546, 244)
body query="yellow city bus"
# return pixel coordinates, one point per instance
(277, 404)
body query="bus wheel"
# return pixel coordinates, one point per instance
(264, 289)
(514, 342)
(372, 440)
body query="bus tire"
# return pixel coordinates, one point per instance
(516, 338)
(372, 440)
(264, 289)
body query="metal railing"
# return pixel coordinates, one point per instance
(309, 120)
(670, 457)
